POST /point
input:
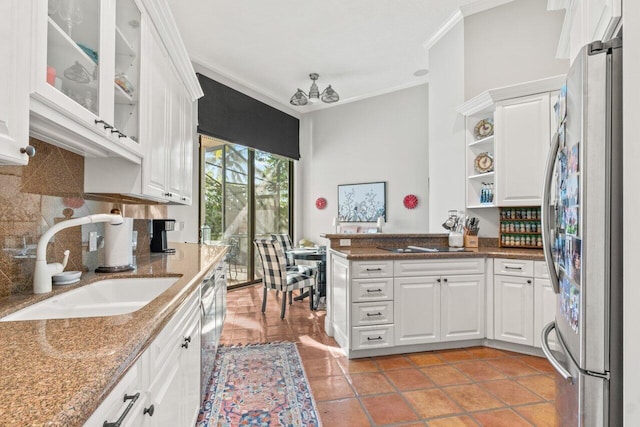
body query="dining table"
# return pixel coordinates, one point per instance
(319, 256)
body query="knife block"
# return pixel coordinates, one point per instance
(470, 241)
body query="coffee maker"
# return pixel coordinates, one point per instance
(159, 237)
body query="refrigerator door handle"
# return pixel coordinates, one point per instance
(546, 213)
(550, 357)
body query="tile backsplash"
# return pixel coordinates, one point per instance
(46, 191)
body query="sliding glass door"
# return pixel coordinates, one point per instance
(245, 194)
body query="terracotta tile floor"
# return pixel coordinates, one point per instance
(467, 387)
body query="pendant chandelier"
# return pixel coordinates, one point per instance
(328, 95)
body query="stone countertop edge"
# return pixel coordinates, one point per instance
(57, 372)
(361, 254)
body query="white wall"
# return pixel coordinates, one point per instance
(446, 129)
(383, 138)
(631, 82)
(510, 44)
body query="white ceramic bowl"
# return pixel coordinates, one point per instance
(67, 276)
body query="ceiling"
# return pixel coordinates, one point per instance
(361, 48)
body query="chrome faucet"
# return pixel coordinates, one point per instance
(44, 272)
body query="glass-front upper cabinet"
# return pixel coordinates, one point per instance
(73, 51)
(127, 68)
(86, 75)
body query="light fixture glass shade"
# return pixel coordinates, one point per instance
(329, 95)
(299, 98)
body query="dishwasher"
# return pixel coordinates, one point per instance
(213, 305)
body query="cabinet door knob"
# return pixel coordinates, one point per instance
(438, 280)
(446, 280)
(529, 281)
(29, 150)
(186, 341)
(148, 410)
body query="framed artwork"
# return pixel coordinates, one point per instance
(362, 202)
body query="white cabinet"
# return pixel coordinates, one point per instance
(439, 308)
(163, 387)
(417, 313)
(584, 22)
(175, 368)
(85, 76)
(127, 400)
(513, 307)
(523, 129)
(372, 305)
(167, 119)
(462, 304)
(339, 296)
(524, 301)
(14, 83)
(438, 301)
(544, 303)
(521, 116)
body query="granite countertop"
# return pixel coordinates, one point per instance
(485, 252)
(57, 372)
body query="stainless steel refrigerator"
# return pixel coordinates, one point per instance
(582, 234)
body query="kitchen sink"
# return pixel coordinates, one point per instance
(107, 297)
(420, 249)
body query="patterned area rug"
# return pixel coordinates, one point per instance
(258, 385)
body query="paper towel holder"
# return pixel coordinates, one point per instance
(117, 268)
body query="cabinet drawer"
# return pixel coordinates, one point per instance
(417, 267)
(363, 337)
(513, 267)
(372, 313)
(114, 404)
(369, 269)
(541, 271)
(172, 335)
(364, 290)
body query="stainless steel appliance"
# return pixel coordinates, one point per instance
(582, 233)
(213, 300)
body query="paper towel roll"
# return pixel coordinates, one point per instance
(117, 244)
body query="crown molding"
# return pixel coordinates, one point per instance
(461, 13)
(487, 99)
(322, 106)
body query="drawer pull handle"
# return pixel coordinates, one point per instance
(506, 267)
(374, 290)
(378, 338)
(132, 399)
(374, 269)
(374, 314)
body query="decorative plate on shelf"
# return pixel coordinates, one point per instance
(483, 129)
(483, 163)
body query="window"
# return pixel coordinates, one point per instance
(246, 194)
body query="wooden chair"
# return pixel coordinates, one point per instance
(275, 275)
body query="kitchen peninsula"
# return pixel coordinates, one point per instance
(57, 372)
(383, 299)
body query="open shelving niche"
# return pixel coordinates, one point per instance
(475, 110)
